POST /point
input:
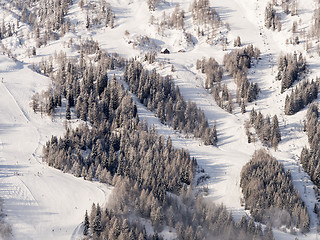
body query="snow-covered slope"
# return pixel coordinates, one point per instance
(40, 202)
(43, 202)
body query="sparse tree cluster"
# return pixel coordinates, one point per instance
(237, 64)
(272, 18)
(207, 19)
(303, 94)
(99, 13)
(290, 67)
(175, 20)
(145, 43)
(268, 131)
(46, 17)
(269, 193)
(310, 158)
(152, 4)
(212, 69)
(223, 97)
(86, 46)
(161, 96)
(150, 57)
(45, 102)
(203, 14)
(289, 7)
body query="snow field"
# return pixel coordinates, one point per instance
(39, 199)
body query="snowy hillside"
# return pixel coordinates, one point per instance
(41, 202)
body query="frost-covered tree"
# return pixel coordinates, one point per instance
(212, 69)
(290, 67)
(86, 224)
(271, 18)
(237, 64)
(267, 131)
(270, 195)
(303, 94)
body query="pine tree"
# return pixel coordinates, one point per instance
(97, 228)
(237, 42)
(87, 22)
(243, 107)
(86, 224)
(275, 128)
(101, 83)
(68, 113)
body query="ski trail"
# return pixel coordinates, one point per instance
(16, 103)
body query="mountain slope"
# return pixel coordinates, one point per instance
(23, 132)
(40, 202)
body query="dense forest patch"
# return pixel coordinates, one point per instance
(269, 193)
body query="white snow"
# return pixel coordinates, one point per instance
(39, 199)
(40, 202)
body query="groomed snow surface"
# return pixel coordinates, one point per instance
(40, 202)
(43, 203)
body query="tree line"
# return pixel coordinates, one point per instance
(310, 157)
(303, 94)
(98, 13)
(237, 64)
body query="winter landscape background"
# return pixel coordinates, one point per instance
(98, 99)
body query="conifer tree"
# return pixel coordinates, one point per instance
(86, 224)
